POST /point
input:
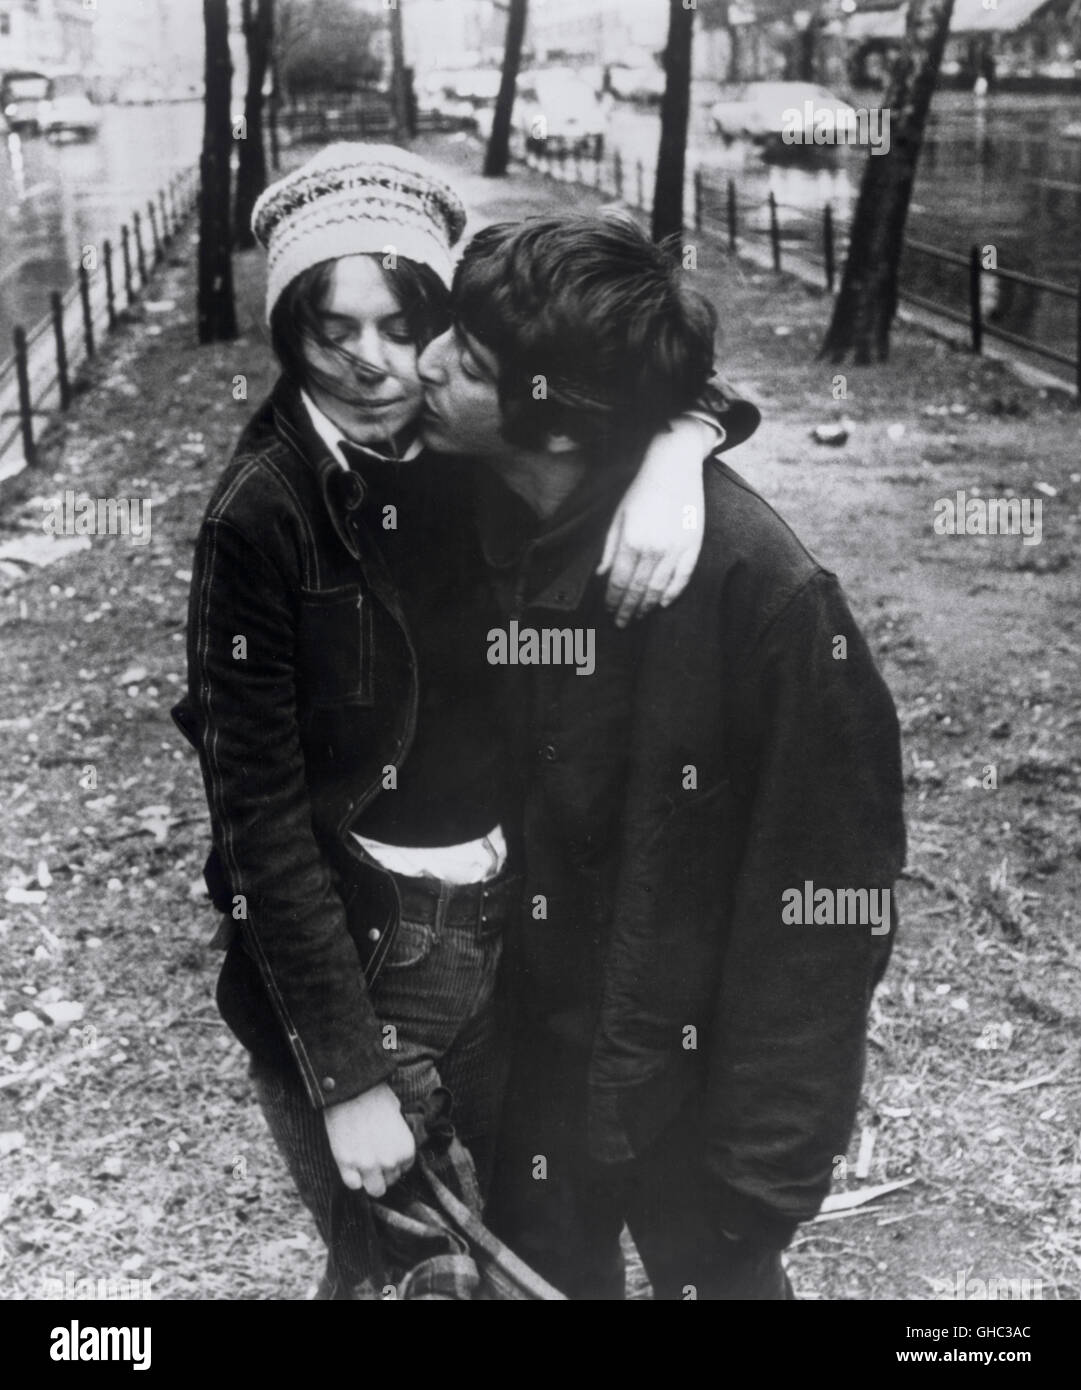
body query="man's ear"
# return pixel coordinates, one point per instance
(560, 444)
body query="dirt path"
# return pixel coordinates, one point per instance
(129, 1145)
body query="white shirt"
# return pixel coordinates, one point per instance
(476, 861)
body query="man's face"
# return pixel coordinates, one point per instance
(461, 398)
(372, 388)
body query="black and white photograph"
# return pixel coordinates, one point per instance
(540, 661)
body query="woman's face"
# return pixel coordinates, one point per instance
(365, 378)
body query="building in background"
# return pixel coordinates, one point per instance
(1016, 45)
(46, 34)
(148, 50)
(452, 33)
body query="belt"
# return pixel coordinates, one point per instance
(483, 905)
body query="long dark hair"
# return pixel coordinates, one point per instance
(296, 317)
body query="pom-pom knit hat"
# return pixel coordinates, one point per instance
(356, 199)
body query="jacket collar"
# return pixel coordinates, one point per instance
(342, 490)
(550, 562)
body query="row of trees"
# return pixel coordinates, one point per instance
(867, 302)
(293, 47)
(285, 44)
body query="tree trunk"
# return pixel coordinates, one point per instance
(498, 154)
(216, 309)
(867, 302)
(734, 51)
(274, 114)
(675, 112)
(399, 78)
(251, 174)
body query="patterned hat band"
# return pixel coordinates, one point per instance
(352, 200)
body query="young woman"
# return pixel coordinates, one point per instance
(345, 715)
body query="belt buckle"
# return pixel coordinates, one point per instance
(484, 927)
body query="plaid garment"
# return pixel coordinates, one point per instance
(426, 1238)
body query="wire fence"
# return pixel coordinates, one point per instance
(41, 373)
(963, 287)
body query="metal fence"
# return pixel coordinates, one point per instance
(800, 237)
(39, 376)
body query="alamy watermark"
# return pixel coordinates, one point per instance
(546, 646)
(836, 907)
(962, 1286)
(837, 125)
(98, 516)
(69, 1287)
(962, 515)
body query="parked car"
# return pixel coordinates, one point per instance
(556, 110)
(644, 86)
(756, 112)
(21, 95)
(463, 97)
(68, 110)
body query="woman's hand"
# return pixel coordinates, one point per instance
(371, 1143)
(656, 533)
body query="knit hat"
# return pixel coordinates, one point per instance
(356, 199)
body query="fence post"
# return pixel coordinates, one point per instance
(641, 186)
(827, 245)
(110, 288)
(26, 420)
(975, 307)
(698, 199)
(1079, 338)
(56, 304)
(617, 174)
(597, 164)
(166, 230)
(731, 215)
(125, 244)
(774, 231)
(140, 253)
(88, 317)
(155, 237)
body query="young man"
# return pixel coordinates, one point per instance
(690, 1039)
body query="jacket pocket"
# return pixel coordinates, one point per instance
(334, 647)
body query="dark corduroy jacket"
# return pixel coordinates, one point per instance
(302, 691)
(757, 753)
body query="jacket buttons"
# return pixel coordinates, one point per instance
(374, 934)
(328, 1083)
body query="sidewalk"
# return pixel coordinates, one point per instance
(129, 1144)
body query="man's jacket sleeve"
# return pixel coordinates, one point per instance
(242, 684)
(787, 1038)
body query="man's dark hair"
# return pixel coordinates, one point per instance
(296, 317)
(601, 313)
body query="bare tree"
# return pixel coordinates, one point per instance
(867, 301)
(216, 307)
(675, 112)
(497, 156)
(400, 75)
(251, 173)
